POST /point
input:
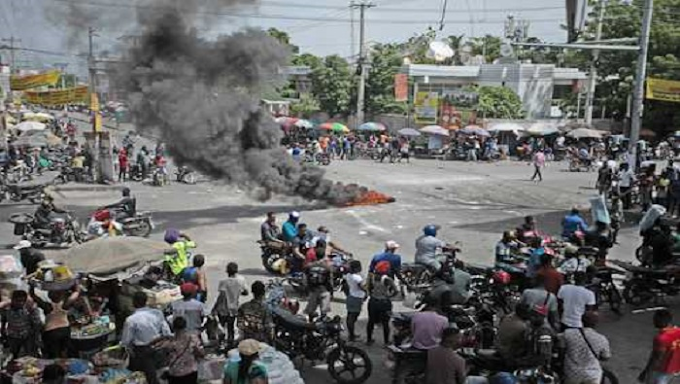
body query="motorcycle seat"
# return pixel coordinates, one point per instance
(292, 321)
(417, 268)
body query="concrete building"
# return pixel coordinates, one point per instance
(538, 85)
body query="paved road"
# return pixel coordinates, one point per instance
(473, 203)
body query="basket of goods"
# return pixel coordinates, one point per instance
(53, 277)
(10, 267)
(21, 222)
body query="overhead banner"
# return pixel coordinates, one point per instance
(426, 106)
(63, 96)
(401, 87)
(458, 108)
(664, 90)
(21, 83)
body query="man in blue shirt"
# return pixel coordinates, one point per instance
(389, 255)
(289, 228)
(573, 222)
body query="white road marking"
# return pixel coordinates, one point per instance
(364, 223)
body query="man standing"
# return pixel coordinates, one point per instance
(444, 365)
(318, 276)
(140, 329)
(584, 348)
(188, 307)
(30, 257)
(390, 256)
(539, 162)
(253, 318)
(664, 360)
(575, 300)
(539, 296)
(427, 326)
(626, 180)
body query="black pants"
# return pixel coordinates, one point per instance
(625, 197)
(537, 173)
(351, 321)
(143, 360)
(191, 378)
(379, 313)
(56, 342)
(23, 347)
(228, 322)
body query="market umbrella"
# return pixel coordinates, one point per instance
(408, 132)
(435, 130)
(30, 126)
(475, 130)
(108, 255)
(334, 127)
(646, 132)
(542, 129)
(372, 127)
(585, 133)
(41, 117)
(506, 127)
(302, 123)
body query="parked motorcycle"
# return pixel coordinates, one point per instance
(185, 175)
(578, 165)
(605, 290)
(643, 285)
(135, 172)
(159, 178)
(340, 266)
(15, 192)
(63, 230)
(321, 340)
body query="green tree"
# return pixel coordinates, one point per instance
(333, 86)
(283, 38)
(386, 60)
(305, 107)
(489, 46)
(498, 103)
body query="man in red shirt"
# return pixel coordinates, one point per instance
(664, 361)
(552, 279)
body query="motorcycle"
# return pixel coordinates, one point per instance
(579, 165)
(321, 340)
(340, 266)
(418, 278)
(643, 285)
(140, 226)
(159, 178)
(66, 175)
(136, 173)
(15, 192)
(64, 230)
(322, 158)
(185, 175)
(276, 257)
(604, 288)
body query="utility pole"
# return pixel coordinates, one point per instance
(352, 38)
(639, 91)
(363, 5)
(12, 48)
(92, 71)
(592, 76)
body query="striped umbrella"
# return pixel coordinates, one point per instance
(334, 127)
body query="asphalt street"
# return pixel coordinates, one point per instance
(473, 203)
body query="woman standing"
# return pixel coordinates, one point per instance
(246, 370)
(183, 349)
(380, 288)
(57, 330)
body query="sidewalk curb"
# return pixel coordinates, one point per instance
(87, 188)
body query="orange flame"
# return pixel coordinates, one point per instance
(371, 198)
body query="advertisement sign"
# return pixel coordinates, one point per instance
(458, 109)
(60, 97)
(401, 87)
(20, 83)
(664, 90)
(426, 107)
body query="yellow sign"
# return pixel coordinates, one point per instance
(94, 102)
(664, 90)
(426, 106)
(60, 97)
(20, 83)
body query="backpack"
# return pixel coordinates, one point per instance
(190, 275)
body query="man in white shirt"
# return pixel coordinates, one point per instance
(575, 300)
(626, 180)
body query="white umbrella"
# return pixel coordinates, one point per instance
(506, 127)
(30, 126)
(542, 129)
(585, 133)
(409, 132)
(435, 130)
(306, 124)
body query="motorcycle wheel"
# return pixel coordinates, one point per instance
(268, 262)
(143, 229)
(633, 294)
(403, 375)
(349, 365)
(189, 178)
(608, 377)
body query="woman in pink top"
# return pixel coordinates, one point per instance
(539, 162)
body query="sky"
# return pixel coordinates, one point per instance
(319, 27)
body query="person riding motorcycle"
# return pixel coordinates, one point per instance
(126, 207)
(572, 223)
(507, 250)
(289, 228)
(178, 259)
(584, 156)
(427, 246)
(42, 216)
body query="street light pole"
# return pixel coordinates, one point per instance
(592, 76)
(92, 71)
(362, 58)
(639, 90)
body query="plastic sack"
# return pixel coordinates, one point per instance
(10, 267)
(599, 211)
(648, 220)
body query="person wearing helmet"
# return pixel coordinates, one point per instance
(126, 207)
(289, 228)
(427, 246)
(43, 214)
